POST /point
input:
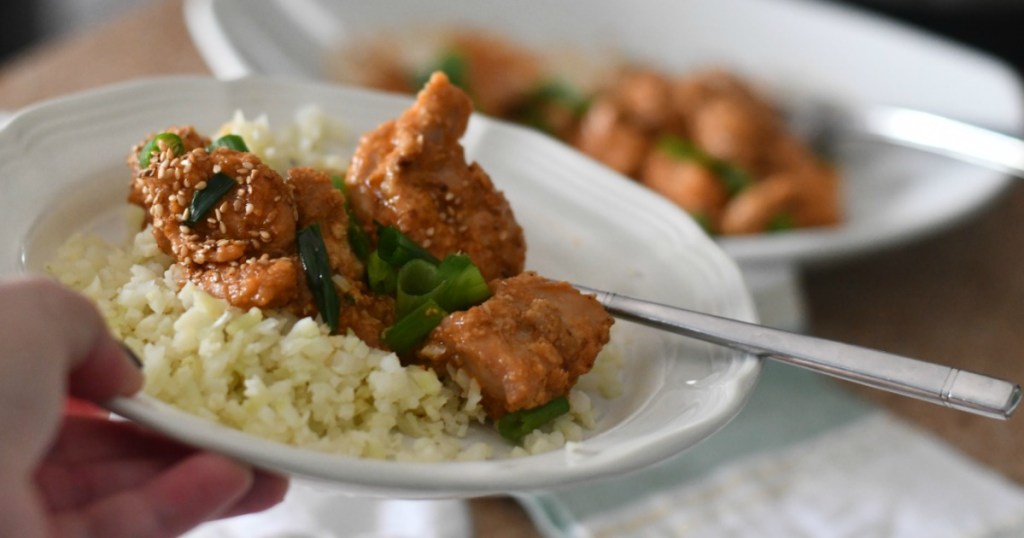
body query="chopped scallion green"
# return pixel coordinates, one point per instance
(395, 248)
(536, 108)
(781, 222)
(204, 200)
(358, 239)
(380, 275)
(733, 178)
(464, 285)
(316, 264)
(167, 140)
(682, 149)
(453, 64)
(515, 426)
(230, 141)
(418, 282)
(409, 331)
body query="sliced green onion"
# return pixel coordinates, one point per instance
(560, 92)
(409, 331)
(704, 222)
(464, 285)
(781, 222)
(734, 178)
(515, 426)
(454, 284)
(358, 239)
(395, 248)
(453, 64)
(230, 141)
(534, 109)
(169, 140)
(418, 282)
(317, 266)
(380, 275)
(681, 149)
(204, 200)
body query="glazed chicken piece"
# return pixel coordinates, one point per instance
(255, 217)
(411, 173)
(689, 184)
(525, 346)
(257, 282)
(243, 249)
(607, 134)
(786, 199)
(190, 140)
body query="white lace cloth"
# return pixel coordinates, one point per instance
(876, 477)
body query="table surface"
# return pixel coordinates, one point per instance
(954, 298)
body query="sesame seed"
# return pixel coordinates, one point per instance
(249, 208)
(216, 169)
(248, 165)
(201, 185)
(158, 210)
(265, 235)
(430, 232)
(223, 229)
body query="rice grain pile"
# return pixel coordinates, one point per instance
(284, 378)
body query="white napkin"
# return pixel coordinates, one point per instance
(877, 477)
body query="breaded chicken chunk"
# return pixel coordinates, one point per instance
(411, 173)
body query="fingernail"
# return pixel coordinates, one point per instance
(131, 355)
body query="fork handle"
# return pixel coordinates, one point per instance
(938, 134)
(952, 387)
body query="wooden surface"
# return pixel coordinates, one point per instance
(956, 299)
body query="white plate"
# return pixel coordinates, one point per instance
(794, 47)
(62, 170)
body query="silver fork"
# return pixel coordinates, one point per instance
(823, 123)
(951, 387)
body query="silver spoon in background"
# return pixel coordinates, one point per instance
(951, 387)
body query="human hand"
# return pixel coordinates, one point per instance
(86, 475)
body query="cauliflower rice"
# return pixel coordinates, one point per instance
(284, 378)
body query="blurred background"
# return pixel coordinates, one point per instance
(990, 25)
